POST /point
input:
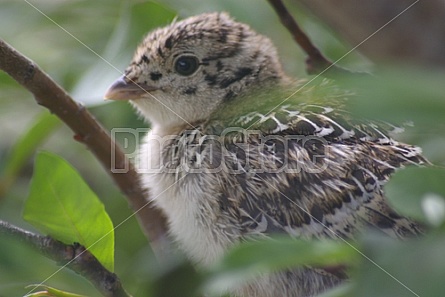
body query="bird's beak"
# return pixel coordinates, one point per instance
(122, 90)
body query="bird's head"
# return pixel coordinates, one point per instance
(182, 73)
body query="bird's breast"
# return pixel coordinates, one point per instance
(186, 197)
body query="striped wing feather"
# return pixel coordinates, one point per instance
(318, 174)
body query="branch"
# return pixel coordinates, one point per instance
(413, 37)
(316, 63)
(87, 130)
(74, 256)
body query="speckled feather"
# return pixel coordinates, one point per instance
(328, 184)
(248, 152)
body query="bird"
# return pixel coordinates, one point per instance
(238, 150)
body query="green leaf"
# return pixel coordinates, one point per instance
(25, 147)
(414, 190)
(401, 95)
(51, 292)
(250, 258)
(411, 268)
(62, 205)
(411, 98)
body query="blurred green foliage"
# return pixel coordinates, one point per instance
(69, 38)
(25, 147)
(244, 262)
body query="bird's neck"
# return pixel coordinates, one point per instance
(264, 98)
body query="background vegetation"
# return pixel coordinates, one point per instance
(112, 29)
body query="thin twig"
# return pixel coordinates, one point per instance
(87, 130)
(74, 256)
(316, 63)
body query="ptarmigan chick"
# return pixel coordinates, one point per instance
(238, 150)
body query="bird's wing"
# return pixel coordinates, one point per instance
(311, 171)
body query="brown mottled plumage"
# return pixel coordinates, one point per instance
(237, 149)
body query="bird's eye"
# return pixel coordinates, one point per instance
(186, 65)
